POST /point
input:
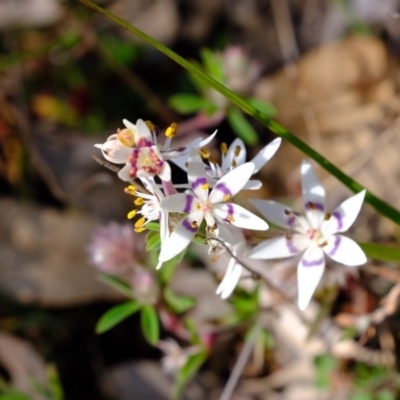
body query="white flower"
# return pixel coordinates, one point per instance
(233, 157)
(137, 147)
(237, 243)
(314, 234)
(211, 206)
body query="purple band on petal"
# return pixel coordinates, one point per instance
(314, 206)
(335, 246)
(188, 225)
(312, 263)
(143, 142)
(291, 247)
(188, 204)
(339, 220)
(198, 182)
(223, 188)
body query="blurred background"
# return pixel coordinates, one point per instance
(328, 70)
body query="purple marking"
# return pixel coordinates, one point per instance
(292, 221)
(312, 263)
(188, 204)
(187, 224)
(223, 188)
(291, 247)
(338, 239)
(198, 182)
(339, 220)
(143, 142)
(316, 206)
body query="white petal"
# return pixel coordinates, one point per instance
(239, 216)
(114, 151)
(231, 183)
(197, 175)
(313, 195)
(344, 251)
(230, 156)
(266, 154)
(164, 231)
(180, 203)
(205, 141)
(129, 125)
(165, 172)
(178, 241)
(309, 273)
(124, 173)
(274, 212)
(344, 216)
(142, 132)
(252, 185)
(181, 162)
(280, 247)
(230, 280)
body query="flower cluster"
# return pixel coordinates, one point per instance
(206, 205)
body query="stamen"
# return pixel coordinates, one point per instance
(194, 225)
(131, 214)
(171, 130)
(150, 125)
(328, 216)
(224, 148)
(140, 222)
(311, 205)
(140, 229)
(205, 153)
(205, 186)
(323, 244)
(226, 197)
(139, 201)
(126, 137)
(288, 236)
(238, 149)
(197, 206)
(213, 228)
(230, 218)
(212, 160)
(234, 163)
(130, 190)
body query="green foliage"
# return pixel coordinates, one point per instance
(178, 304)
(118, 284)
(193, 364)
(325, 365)
(242, 127)
(150, 324)
(188, 103)
(169, 266)
(213, 64)
(124, 51)
(266, 108)
(153, 240)
(116, 315)
(381, 252)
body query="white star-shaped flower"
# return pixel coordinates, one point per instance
(213, 207)
(315, 234)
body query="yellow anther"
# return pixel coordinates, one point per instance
(139, 201)
(150, 125)
(323, 244)
(131, 214)
(212, 160)
(194, 224)
(126, 137)
(234, 163)
(328, 216)
(197, 206)
(140, 222)
(230, 218)
(140, 229)
(213, 228)
(224, 148)
(226, 197)
(205, 186)
(130, 190)
(205, 153)
(171, 130)
(311, 205)
(238, 149)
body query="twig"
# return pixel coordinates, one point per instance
(241, 363)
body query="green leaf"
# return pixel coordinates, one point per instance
(213, 64)
(178, 304)
(193, 364)
(116, 315)
(188, 103)
(242, 127)
(380, 205)
(153, 240)
(385, 394)
(381, 252)
(153, 226)
(150, 325)
(266, 108)
(168, 268)
(118, 284)
(325, 365)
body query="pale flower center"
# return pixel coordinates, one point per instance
(316, 236)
